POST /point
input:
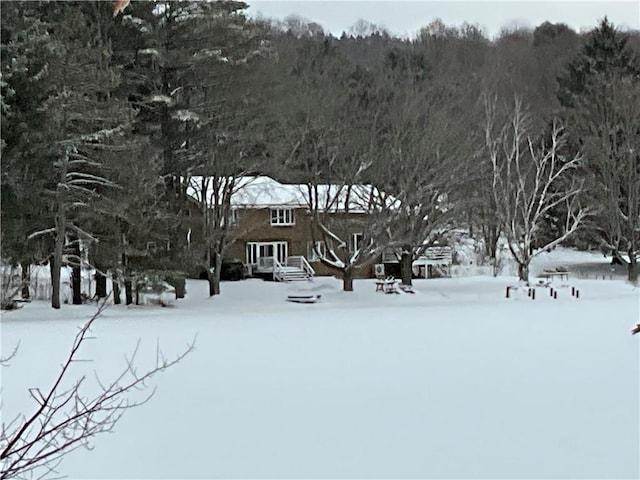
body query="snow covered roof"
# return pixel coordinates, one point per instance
(265, 192)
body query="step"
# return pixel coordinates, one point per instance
(291, 274)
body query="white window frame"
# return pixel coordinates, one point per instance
(282, 217)
(234, 216)
(280, 251)
(312, 256)
(356, 240)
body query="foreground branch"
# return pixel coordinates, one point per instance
(66, 419)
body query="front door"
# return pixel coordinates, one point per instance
(257, 250)
(265, 250)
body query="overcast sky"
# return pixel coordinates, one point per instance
(405, 18)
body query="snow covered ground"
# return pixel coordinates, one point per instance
(455, 381)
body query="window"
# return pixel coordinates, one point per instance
(314, 254)
(151, 246)
(258, 250)
(234, 218)
(356, 241)
(282, 216)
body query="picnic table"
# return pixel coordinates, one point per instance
(550, 274)
(386, 285)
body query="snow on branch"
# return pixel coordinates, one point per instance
(530, 179)
(103, 134)
(39, 233)
(79, 178)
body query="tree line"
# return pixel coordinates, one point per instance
(106, 122)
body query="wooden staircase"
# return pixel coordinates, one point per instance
(296, 269)
(291, 274)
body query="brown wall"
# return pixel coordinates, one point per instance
(254, 225)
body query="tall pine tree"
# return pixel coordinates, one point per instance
(600, 93)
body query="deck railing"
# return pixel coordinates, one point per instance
(299, 261)
(435, 256)
(271, 264)
(265, 264)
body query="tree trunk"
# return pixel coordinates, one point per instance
(216, 274)
(137, 289)
(76, 274)
(26, 280)
(54, 266)
(495, 266)
(632, 268)
(523, 272)
(210, 278)
(406, 265)
(101, 284)
(116, 289)
(490, 234)
(76, 285)
(61, 230)
(347, 280)
(128, 291)
(214, 262)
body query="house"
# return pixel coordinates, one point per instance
(271, 226)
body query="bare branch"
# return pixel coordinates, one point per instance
(529, 181)
(4, 361)
(65, 419)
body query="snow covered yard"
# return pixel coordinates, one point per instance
(455, 381)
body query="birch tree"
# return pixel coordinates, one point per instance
(530, 177)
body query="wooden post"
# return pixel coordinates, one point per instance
(533, 294)
(555, 295)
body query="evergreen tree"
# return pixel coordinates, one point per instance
(600, 93)
(26, 166)
(76, 117)
(185, 70)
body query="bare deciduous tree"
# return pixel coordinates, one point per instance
(530, 178)
(349, 225)
(66, 418)
(219, 229)
(420, 164)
